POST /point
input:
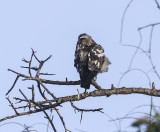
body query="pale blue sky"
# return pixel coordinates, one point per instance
(52, 27)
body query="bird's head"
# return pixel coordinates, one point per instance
(84, 36)
(85, 39)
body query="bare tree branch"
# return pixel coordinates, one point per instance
(122, 20)
(49, 119)
(13, 85)
(86, 110)
(95, 93)
(55, 103)
(63, 122)
(158, 6)
(11, 104)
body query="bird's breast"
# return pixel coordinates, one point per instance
(83, 55)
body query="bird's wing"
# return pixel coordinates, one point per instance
(77, 57)
(97, 61)
(105, 65)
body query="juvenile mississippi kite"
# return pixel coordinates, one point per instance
(89, 59)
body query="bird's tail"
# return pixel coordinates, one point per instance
(85, 82)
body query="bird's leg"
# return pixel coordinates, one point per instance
(85, 91)
(112, 86)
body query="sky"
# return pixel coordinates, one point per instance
(52, 27)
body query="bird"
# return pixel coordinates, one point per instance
(89, 60)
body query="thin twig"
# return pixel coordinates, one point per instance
(158, 6)
(87, 110)
(45, 80)
(41, 64)
(46, 74)
(30, 62)
(12, 106)
(47, 90)
(33, 93)
(29, 103)
(47, 116)
(149, 25)
(13, 85)
(32, 68)
(47, 58)
(24, 60)
(61, 118)
(123, 18)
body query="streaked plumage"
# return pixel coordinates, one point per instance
(89, 59)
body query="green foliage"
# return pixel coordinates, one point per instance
(151, 124)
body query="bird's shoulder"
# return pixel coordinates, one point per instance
(97, 51)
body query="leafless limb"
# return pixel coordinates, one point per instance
(51, 102)
(139, 70)
(158, 6)
(24, 96)
(140, 41)
(26, 128)
(32, 68)
(30, 62)
(24, 60)
(48, 118)
(148, 53)
(11, 104)
(96, 93)
(85, 110)
(41, 64)
(46, 74)
(149, 25)
(13, 85)
(123, 18)
(63, 122)
(33, 92)
(58, 113)
(26, 77)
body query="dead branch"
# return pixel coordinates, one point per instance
(32, 68)
(48, 118)
(95, 93)
(26, 77)
(122, 20)
(13, 85)
(158, 6)
(54, 103)
(62, 120)
(11, 104)
(86, 110)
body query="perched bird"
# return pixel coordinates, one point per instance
(89, 59)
